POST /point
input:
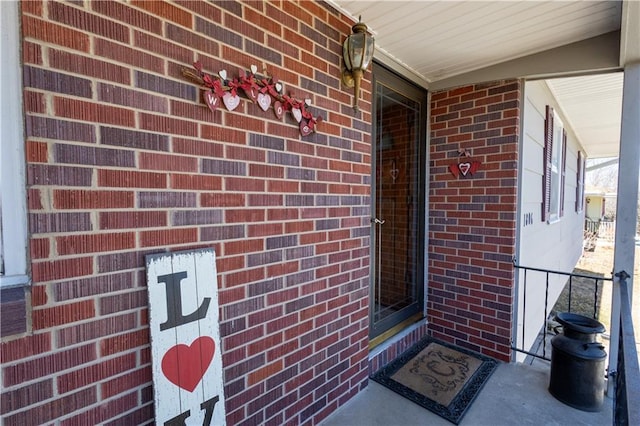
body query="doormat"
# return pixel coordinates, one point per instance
(440, 377)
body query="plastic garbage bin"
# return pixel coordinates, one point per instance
(577, 363)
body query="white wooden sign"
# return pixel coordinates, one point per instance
(185, 338)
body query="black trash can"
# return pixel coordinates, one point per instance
(577, 363)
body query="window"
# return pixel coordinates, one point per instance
(555, 153)
(13, 212)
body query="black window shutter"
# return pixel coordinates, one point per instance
(546, 174)
(564, 170)
(580, 183)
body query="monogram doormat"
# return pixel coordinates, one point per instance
(438, 376)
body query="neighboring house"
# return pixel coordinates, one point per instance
(335, 250)
(596, 200)
(599, 216)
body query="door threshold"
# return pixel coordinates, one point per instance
(393, 331)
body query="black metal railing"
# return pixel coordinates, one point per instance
(571, 281)
(627, 376)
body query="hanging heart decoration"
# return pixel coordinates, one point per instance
(278, 109)
(297, 114)
(231, 101)
(263, 90)
(211, 100)
(251, 93)
(264, 101)
(465, 167)
(305, 130)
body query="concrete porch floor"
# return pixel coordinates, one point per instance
(516, 394)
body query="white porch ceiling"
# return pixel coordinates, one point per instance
(593, 106)
(439, 40)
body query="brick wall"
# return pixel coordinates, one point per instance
(124, 159)
(472, 220)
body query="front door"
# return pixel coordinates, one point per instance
(398, 188)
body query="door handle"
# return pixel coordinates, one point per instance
(377, 221)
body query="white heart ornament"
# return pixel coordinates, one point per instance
(464, 168)
(231, 101)
(211, 100)
(223, 74)
(279, 87)
(254, 69)
(297, 114)
(264, 101)
(307, 102)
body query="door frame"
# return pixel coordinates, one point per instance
(408, 88)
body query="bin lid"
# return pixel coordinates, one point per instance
(580, 323)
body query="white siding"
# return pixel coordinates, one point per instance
(553, 246)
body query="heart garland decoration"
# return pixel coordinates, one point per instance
(263, 90)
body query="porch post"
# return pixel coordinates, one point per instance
(627, 208)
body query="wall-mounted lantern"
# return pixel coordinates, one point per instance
(357, 51)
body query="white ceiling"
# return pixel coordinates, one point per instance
(593, 105)
(438, 40)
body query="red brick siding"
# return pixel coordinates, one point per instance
(472, 220)
(124, 159)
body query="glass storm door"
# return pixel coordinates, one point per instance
(398, 186)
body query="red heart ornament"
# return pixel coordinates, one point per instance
(464, 168)
(251, 93)
(278, 110)
(305, 130)
(184, 366)
(211, 100)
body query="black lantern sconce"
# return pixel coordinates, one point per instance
(357, 52)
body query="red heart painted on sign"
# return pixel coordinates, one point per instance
(211, 100)
(184, 366)
(464, 168)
